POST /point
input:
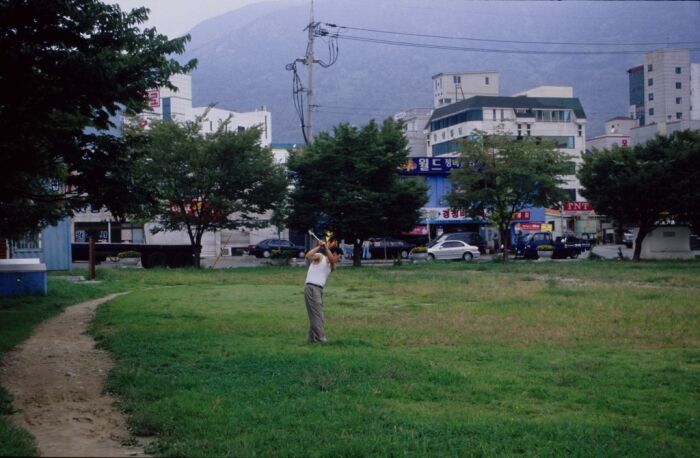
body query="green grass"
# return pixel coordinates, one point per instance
(570, 358)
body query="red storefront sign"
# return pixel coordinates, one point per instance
(153, 98)
(530, 227)
(416, 231)
(577, 207)
(521, 215)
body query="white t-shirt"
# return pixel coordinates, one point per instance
(318, 272)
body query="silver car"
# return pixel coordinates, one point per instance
(453, 249)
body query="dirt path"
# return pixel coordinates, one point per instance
(56, 378)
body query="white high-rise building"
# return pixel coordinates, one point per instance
(452, 87)
(667, 85)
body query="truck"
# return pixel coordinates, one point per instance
(151, 255)
(526, 246)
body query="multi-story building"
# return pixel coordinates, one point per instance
(667, 85)
(546, 113)
(415, 120)
(617, 133)
(636, 94)
(450, 88)
(168, 105)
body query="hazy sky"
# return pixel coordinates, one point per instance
(177, 17)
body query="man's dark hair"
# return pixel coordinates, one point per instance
(336, 250)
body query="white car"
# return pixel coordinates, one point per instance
(453, 249)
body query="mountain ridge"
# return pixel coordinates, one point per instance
(242, 54)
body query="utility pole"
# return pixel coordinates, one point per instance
(309, 62)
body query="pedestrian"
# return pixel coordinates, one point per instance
(324, 257)
(365, 249)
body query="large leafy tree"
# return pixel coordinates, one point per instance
(348, 181)
(501, 174)
(66, 69)
(647, 184)
(200, 183)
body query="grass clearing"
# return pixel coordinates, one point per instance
(583, 358)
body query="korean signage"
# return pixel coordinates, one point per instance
(522, 215)
(441, 214)
(153, 98)
(429, 165)
(577, 208)
(529, 227)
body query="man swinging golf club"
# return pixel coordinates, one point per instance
(324, 258)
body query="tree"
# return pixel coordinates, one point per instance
(224, 180)
(647, 184)
(67, 68)
(501, 175)
(349, 183)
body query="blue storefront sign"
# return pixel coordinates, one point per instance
(430, 165)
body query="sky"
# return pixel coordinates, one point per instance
(177, 17)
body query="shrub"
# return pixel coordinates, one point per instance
(128, 254)
(420, 249)
(545, 248)
(279, 254)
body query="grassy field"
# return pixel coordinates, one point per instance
(560, 358)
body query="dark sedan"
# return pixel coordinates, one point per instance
(265, 248)
(388, 248)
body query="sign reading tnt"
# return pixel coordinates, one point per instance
(577, 207)
(153, 98)
(522, 215)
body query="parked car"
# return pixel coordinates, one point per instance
(453, 249)
(628, 239)
(388, 248)
(265, 248)
(526, 246)
(471, 238)
(573, 242)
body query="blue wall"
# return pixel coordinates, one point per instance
(55, 249)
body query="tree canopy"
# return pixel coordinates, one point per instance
(349, 183)
(501, 175)
(647, 184)
(67, 68)
(200, 183)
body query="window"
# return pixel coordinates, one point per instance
(651, 96)
(494, 114)
(460, 131)
(678, 85)
(528, 129)
(650, 82)
(678, 70)
(571, 193)
(580, 130)
(502, 115)
(456, 79)
(679, 100)
(679, 115)
(651, 112)
(443, 134)
(650, 67)
(452, 133)
(434, 137)
(486, 81)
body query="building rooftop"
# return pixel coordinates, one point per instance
(620, 118)
(481, 101)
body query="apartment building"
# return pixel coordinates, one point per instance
(546, 113)
(176, 105)
(660, 89)
(450, 88)
(414, 122)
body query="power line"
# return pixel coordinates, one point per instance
(445, 37)
(487, 50)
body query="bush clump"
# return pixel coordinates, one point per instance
(128, 254)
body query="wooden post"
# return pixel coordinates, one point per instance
(92, 257)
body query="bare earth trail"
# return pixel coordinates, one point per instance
(56, 378)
